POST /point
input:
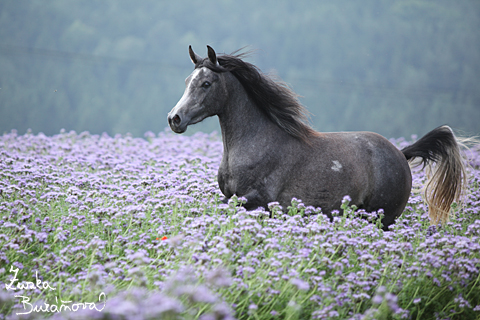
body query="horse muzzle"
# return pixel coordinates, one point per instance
(176, 124)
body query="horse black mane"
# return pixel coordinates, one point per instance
(270, 95)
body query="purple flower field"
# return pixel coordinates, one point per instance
(100, 227)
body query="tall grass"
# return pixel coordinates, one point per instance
(134, 228)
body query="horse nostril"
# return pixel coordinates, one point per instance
(176, 119)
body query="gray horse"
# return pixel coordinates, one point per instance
(272, 154)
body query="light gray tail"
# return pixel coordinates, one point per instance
(445, 169)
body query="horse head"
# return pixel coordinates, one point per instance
(203, 96)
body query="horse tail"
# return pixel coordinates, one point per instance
(440, 155)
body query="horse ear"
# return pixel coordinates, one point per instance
(193, 56)
(212, 56)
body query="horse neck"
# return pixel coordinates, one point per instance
(241, 121)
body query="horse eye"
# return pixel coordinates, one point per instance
(206, 84)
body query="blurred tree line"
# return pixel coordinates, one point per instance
(394, 67)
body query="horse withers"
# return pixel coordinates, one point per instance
(272, 154)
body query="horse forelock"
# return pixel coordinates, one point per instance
(273, 96)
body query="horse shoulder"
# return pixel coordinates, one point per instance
(259, 165)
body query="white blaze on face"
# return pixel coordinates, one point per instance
(184, 98)
(336, 166)
(195, 74)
